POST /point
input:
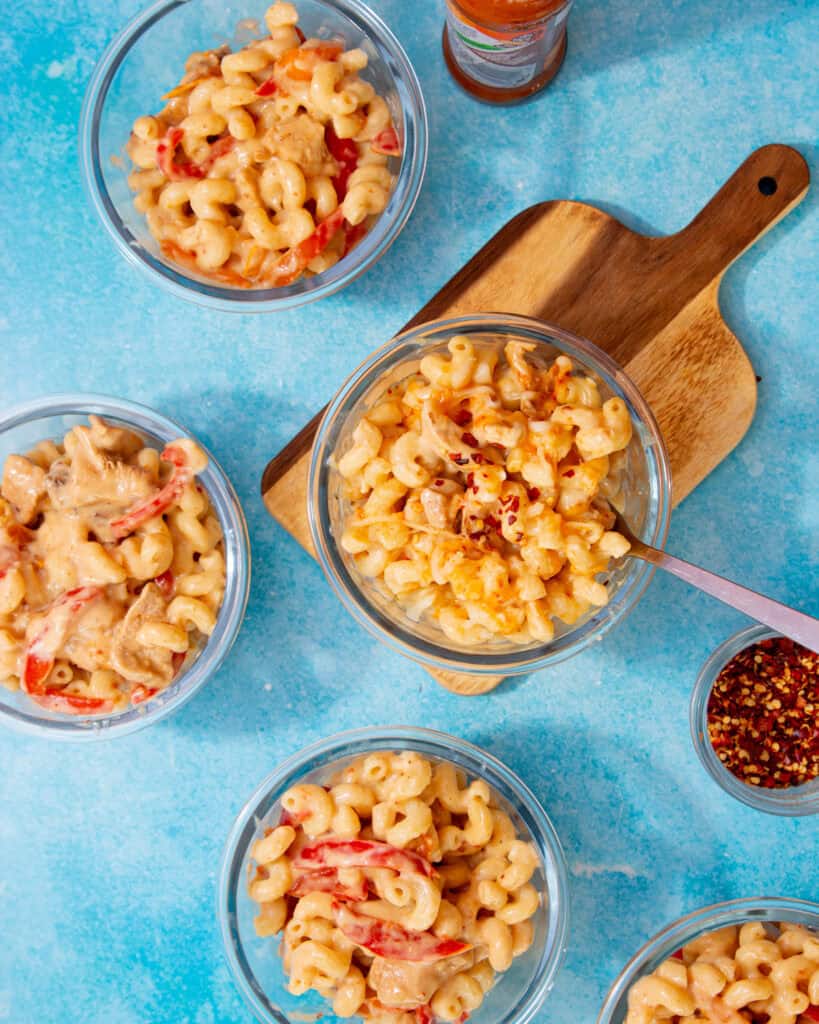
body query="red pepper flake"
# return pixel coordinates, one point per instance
(477, 457)
(439, 482)
(511, 519)
(470, 480)
(458, 459)
(493, 523)
(763, 714)
(469, 439)
(569, 472)
(462, 417)
(533, 494)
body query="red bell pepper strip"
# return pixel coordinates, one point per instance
(384, 938)
(345, 153)
(386, 143)
(289, 266)
(41, 650)
(423, 1014)
(327, 880)
(72, 703)
(141, 693)
(677, 954)
(166, 150)
(353, 235)
(267, 88)
(812, 1013)
(360, 853)
(155, 505)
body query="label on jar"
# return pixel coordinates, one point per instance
(504, 59)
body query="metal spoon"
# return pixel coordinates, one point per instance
(798, 626)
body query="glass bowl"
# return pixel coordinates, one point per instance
(255, 963)
(670, 939)
(50, 417)
(794, 801)
(647, 494)
(147, 58)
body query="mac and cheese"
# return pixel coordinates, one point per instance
(478, 492)
(735, 975)
(111, 568)
(401, 889)
(267, 163)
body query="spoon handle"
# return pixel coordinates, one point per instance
(788, 621)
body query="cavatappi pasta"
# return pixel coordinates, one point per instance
(266, 163)
(111, 568)
(478, 492)
(737, 975)
(401, 889)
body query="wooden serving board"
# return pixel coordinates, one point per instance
(651, 303)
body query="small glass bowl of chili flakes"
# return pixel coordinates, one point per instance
(755, 721)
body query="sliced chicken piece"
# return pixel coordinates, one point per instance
(443, 436)
(92, 477)
(405, 985)
(436, 508)
(151, 666)
(89, 645)
(23, 485)
(301, 140)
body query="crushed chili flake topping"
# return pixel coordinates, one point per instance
(763, 714)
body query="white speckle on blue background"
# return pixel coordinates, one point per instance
(110, 852)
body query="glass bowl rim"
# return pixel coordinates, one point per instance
(786, 802)
(237, 588)
(437, 656)
(377, 241)
(350, 743)
(687, 927)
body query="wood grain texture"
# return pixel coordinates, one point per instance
(651, 302)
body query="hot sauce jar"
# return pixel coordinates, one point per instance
(505, 50)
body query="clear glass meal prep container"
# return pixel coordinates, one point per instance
(50, 417)
(147, 59)
(646, 497)
(688, 928)
(254, 962)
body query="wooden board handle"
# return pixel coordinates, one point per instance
(759, 193)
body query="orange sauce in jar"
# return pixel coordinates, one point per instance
(505, 50)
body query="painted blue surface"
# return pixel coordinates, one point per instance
(109, 853)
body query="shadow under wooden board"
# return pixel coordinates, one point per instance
(651, 302)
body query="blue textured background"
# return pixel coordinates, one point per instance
(109, 853)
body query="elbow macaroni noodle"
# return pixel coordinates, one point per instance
(267, 163)
(734, 975)
(400, 890)
(112, 569)
(478, 492)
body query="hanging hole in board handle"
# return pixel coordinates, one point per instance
(767, 185)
